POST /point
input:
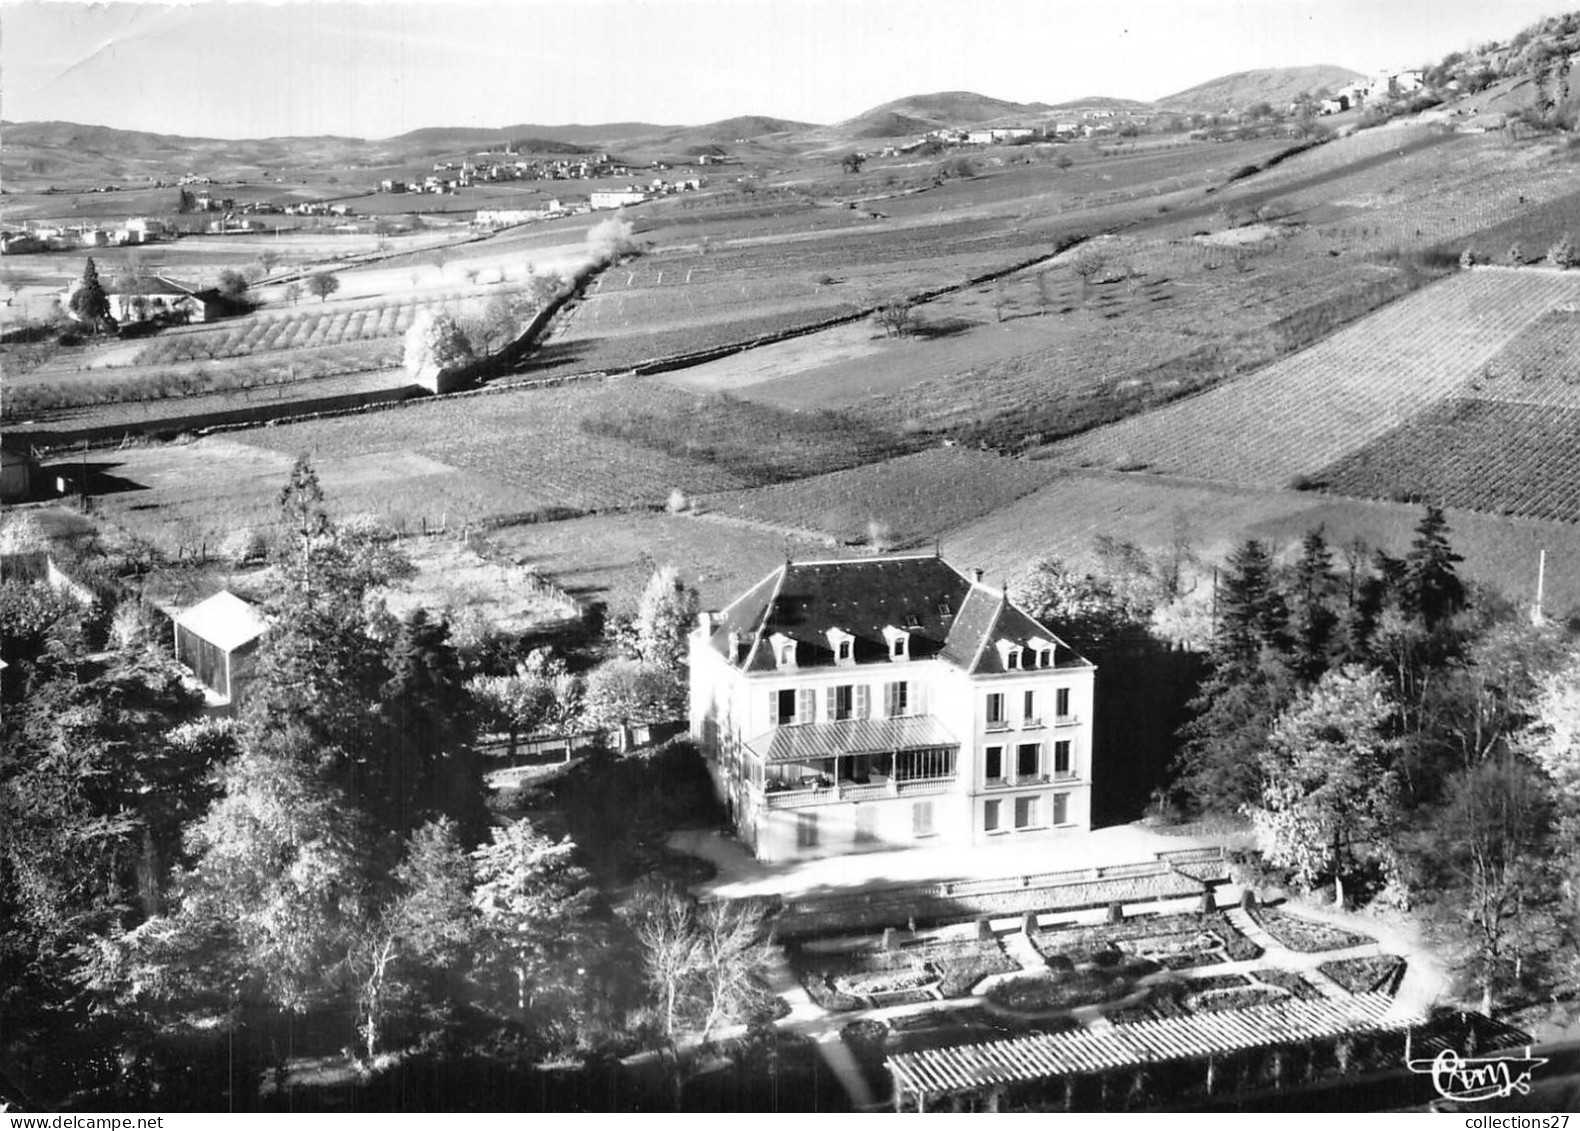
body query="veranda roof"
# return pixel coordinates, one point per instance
(812, 741)
(1049, 1055)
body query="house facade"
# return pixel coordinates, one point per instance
(889, 702)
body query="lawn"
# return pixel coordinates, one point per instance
(609, 557)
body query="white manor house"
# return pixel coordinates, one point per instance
(846, 706)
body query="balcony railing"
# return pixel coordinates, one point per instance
(1031, 724)
(1066, 720)
(831, 794)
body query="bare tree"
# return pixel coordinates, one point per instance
(896, 316)
(1089, 263)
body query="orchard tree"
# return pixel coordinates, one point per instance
(1562, 253)
(612, 240)
(293, 293)
(1089, 264)
(621, 693)
(323, 284)
(853, 162)
(435, 341)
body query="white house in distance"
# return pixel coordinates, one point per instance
(874, 703)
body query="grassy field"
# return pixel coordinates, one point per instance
(1063, 518)
(609, 558)
(899, 503)
(1325, 402)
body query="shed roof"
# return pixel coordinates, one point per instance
(224, 620)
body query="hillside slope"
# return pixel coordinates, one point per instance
(1276, 86)
(921, 112)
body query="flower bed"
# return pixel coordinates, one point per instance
(852, 979)
(1306, 935)
(1035, 994)
(1297, 986)
(1176, 942)
(1362, 975)
(1291, 981)
(1217, 1001)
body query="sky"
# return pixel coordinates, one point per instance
(378, 68)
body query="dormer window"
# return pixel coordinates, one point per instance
(899, 642)
(843, 645)
(1042, 652)
(1010, 653)
(784, 651)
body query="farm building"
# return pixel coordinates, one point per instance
(217, 640)
(20, 475)
(848, 706)
(619, 199)
(152, 296)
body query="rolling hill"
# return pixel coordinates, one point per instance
(922, 112)
(1276, 85)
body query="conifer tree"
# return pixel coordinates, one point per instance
(89, 302)
(1433, 590)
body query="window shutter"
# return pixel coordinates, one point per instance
(863, 701)
(806, 708)
(833, 704)
(773, 707)
(890, 695)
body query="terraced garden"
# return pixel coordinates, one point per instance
(1331, 400)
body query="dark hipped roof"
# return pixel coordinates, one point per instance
(947, 615)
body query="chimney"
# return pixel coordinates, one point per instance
(976, 575)
(705, 622)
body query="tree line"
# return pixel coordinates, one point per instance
(169, 878)
(1392, 733)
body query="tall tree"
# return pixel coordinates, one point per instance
(89, 302)
(1432, 587)
(1490, 872)
(430, 765)
(665, 617)
(1314, 617)
(1328, 786)
(532, 900)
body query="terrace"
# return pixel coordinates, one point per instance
(853, 760)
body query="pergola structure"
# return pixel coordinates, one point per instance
(985, 1071)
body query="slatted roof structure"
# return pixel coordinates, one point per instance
(812, 741)
(971, 1068)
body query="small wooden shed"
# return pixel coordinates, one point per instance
(217, 639)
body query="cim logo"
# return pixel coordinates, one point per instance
(1471, 1079)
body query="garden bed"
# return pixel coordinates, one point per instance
(1363, 975)
(1034, 994)
(1296, 984)
(857, 979)
(1176, 942)
(1306, 935)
